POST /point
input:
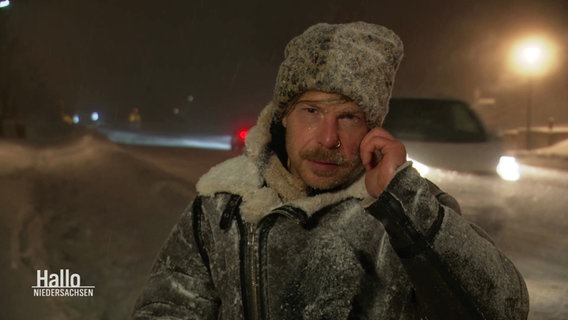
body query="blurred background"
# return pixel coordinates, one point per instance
(110, 111)
(198, 63)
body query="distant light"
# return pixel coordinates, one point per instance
(508, 168)
(4, 3)
(196, 141)
(534, 56)
(76, 118)
(242, 134)
(95, 116)
(420, 167)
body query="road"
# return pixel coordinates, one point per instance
(102, 211)
(528, 220)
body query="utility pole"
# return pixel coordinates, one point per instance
(529, 112)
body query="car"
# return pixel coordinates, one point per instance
(447, 134)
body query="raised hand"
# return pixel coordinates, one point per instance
(381, 155)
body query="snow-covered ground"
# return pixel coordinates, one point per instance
(558, 150)
(554, 156)
(98, 209)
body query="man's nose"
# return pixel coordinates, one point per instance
(328, 133)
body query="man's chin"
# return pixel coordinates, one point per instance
(333, 183)
(327, 184)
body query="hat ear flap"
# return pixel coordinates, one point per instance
(278, 141)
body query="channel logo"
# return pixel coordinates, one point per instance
(62, 284)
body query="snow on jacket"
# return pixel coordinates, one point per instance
(253, 245)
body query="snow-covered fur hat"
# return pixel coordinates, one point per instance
(358, 60)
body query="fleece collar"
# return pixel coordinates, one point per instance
(263, 183)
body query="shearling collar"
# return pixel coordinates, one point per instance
(287, 186)
(263, 183)
(242, 176)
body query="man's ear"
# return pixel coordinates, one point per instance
(285, 121)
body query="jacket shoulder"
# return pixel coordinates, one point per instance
(236, 175)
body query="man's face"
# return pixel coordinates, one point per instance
(323, 134)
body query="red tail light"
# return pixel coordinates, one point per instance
(242, 134)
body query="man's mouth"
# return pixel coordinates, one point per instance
(323, 165)
(323, 162)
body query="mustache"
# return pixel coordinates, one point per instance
(325, 155)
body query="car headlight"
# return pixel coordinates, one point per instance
(508, 168)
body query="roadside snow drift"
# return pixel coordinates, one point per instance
(98, 209)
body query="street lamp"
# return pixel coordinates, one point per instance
(532, 57)
(4, 3)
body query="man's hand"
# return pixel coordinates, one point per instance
(381, 155)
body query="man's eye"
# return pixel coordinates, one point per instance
(310, 110)
(350, 116)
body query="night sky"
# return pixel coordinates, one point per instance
(224, 55)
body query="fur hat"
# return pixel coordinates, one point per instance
(358, 60)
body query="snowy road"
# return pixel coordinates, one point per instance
(528, 220)
(202, 141)
(103, 210)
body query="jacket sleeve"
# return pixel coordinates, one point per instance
(180, 285)
(456, 270)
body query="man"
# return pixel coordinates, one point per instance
(323, 217)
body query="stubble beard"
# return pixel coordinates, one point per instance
(347, 171)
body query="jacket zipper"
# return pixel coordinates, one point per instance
(252, 268)
(252, 271)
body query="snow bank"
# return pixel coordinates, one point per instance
(90, 206)
(558, 150)
(14, 156)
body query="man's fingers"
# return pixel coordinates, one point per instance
(379, 132)
(366, 153)
(372, 145)
(381, 155)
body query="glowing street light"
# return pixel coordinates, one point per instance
(4, 3)
(532, 57)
